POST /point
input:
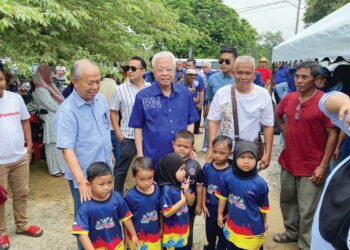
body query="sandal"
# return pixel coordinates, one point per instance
(58, 175)
(32, 231)
(4, 241)
(283, 238)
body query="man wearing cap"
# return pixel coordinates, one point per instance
(264, 71)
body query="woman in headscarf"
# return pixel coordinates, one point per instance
(48, 98)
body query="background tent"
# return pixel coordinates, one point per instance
(329, 37)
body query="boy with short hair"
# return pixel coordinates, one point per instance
(183, 145)
(97, 222)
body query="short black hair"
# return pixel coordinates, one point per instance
(313, 66)
(192, 60)
(223, 139)
(140, 59)
(142, 162)
(184, 134)
(98, 169)
(231, 50)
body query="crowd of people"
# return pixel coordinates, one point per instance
(95, 133)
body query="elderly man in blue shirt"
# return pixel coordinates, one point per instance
(83, 129)
(161, 110)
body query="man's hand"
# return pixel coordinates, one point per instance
(264, 162)
(209, 155)
(206, 212)
(199, 209)
(336, 154)
(84, 190)
(135, 241)
(318, 174)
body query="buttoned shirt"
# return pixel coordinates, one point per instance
(84, 128)
(123, 101)
(215, 82)
(161, 117)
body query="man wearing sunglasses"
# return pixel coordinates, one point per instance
(123, 102)
(310, 140)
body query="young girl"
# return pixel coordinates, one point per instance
(247, 196)
(212, 172)
(175, 196)
(143, 201)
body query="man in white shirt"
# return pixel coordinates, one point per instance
(123, 101)
(254, 108)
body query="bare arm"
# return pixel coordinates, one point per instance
(320, 171)
(27, 132)
(138, 142)
(341, 139)
(201, 100)
(221, 208)
(204, 207)
(73, 164)
(177, 206)
(268, 136)
(190, 127)
(86, 242)
(339, 103)
(282, 124)
(213, 127)
(115, 124)
(199, 191)
(131, 229)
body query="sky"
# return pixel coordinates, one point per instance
(281, 15)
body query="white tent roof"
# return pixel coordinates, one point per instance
(329, 37)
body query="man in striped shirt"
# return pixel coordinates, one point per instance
(123, 101)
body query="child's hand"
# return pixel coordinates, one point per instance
(266, 227)
(220, 221)
(186, 185)
(205, 212)
(199, 209)
(126, 240)
(135, 241)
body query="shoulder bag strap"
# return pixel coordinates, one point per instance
(235, 114)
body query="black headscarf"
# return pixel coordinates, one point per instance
(242, 147)
(167, 168)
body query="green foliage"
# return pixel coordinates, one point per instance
(317, 9)
(267, 41)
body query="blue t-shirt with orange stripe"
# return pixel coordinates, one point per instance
(100, 220)
(176, 226)
(247, 201)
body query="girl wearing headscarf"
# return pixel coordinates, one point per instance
(175, 196)
(48, 98)
(247, 196)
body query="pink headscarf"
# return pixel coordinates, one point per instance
(42, 79)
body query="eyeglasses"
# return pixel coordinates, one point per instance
(303, 77)
(226, 61)
(132, 68)
(167, 70)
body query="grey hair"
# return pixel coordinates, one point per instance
(245, 59)
(313, 66)
(77, 66)
(207, 63)
(163, 54)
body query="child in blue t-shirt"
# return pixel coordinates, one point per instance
(247, 196)
(183, 145)
(212, 172)
(175, 196)
(143, 201)
(97, 222)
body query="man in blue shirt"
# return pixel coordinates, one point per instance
(281, 75)
(161, 110)
(83, 129)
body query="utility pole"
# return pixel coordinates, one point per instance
(298, 13)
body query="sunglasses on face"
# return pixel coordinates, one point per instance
(226, 61)
(132, 68)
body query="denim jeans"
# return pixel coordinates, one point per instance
(206, 140)
(117, 151)
(76, 201)
(128, 152)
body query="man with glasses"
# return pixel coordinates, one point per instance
(123, 102)
(310, 140)
(161, 110)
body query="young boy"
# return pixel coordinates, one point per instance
(97, 222)
(183, 146)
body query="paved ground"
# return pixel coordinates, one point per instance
(51, 207)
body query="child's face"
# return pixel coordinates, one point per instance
(144, 179)
(181, 173)
(183, 147)
(246, 162)
(101, 187)
(221, 153)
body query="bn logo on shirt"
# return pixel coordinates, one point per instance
(151, 103)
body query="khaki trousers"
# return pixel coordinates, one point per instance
(17, 175)
(298, 199)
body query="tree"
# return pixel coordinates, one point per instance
(317, 9)
(267, 41)
(53, 31)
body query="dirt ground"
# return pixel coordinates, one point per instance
(51, 207)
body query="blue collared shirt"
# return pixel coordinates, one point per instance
(85, 128)
(161, 117)
(199, 87)
(215, 82)
(281, 75)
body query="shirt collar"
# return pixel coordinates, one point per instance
(80, 101)
(175, 88)
(228, 76)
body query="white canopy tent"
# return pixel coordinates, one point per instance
(329, 37)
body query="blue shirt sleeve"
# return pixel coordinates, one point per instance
(123, 210)
(66, 129)
(205, 175)
(166, 200)
(137, 118)
(81, 224)
(223, 188)
(209, 91)
(263, 199)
